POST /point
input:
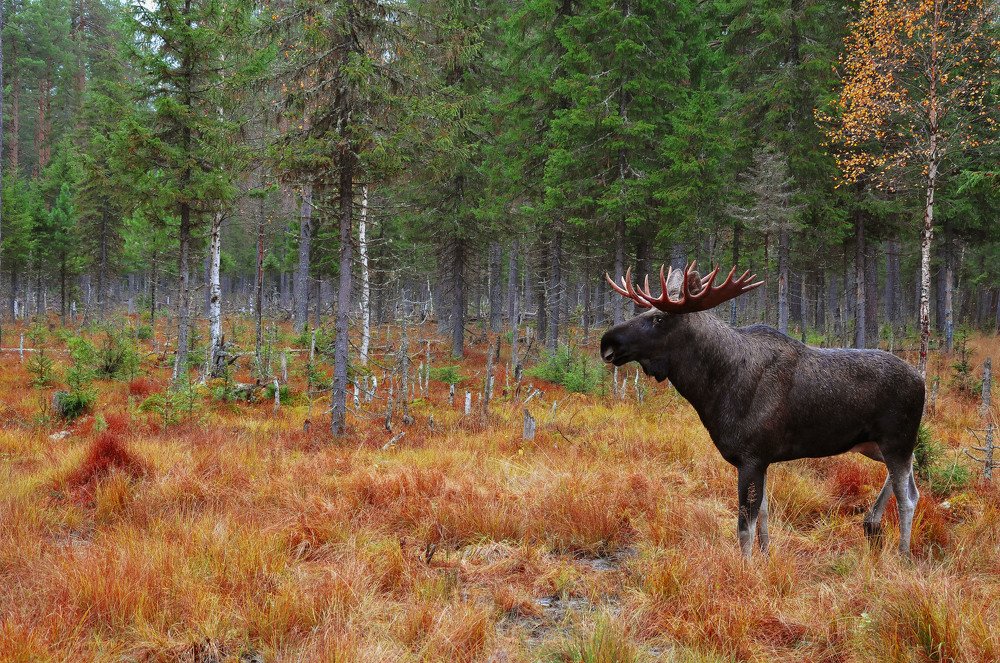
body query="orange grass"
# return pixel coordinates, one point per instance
(610, 537)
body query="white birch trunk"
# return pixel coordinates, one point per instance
(366, 313)
(215, 293)
(926, 236)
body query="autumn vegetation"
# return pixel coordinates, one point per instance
(225, 530)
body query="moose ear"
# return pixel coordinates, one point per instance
(694, 282)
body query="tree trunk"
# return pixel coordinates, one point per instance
(215, 296)
(495, 286)
(736, 263)
(949, 290)
(152, 293)
(541, 300)
(102, 265)
(514, 303)
(783, 250)
(871, 295)
(62, 289)
(860, 311)
(15, 113)
(819, 322)
(892, 283)
(554, 294)
(258, 312)
(183, 294)
(42, 149)
(512, 312)
(342, 324)
(926, 237)
(366, 309)
(619, 302)
(301, 287)
(458, 303)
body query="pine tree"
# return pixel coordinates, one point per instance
(180, 138)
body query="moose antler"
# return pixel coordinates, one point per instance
(706, 297)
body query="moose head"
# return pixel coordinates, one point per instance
(647, 338)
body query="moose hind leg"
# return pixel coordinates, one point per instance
(905, 489)
(873, 519)
(751, 494)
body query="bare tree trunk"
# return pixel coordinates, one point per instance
(102, 265)
(820, 319)
(736, 263)
(892, 283)
(215, 295)
(860, 326)
(366, 309)
(618, 305)
(183, 294)
(301, 286)
(338, 423)
(458, 299)
(259, 291)
(152, 291)
(949, 291)
(513, 302)
(495, 289)
(871, 295)
(783, 250)
(541, 300)
(555, 294)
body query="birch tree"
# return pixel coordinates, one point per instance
(918, 87)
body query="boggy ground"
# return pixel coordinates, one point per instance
(236, 535)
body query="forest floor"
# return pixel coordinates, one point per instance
(218, 531)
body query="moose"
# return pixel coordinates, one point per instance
(766, 398)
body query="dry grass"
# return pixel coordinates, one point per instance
(610, 537)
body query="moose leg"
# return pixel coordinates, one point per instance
(905, 489)
(750, 486)
(873, 519)
(762, 536)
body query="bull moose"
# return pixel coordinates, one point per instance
(766, 398)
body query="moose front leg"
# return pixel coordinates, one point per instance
(751, 493)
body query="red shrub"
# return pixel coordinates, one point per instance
(106, 452)
(141, 387)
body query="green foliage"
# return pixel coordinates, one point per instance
(942, 477)
(182, 401)
(288, 397)
(962, 378)
(74, 403)
(116, 357)
(573, 369)
(39, 364)
(447, 374)
(144, 332)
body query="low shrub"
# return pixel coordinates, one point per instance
(570, 368)
(74, 403)
(447, 374)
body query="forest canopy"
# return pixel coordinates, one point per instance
(491, 161)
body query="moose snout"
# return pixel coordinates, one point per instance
(608, 346)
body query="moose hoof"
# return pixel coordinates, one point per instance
(874, 533)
